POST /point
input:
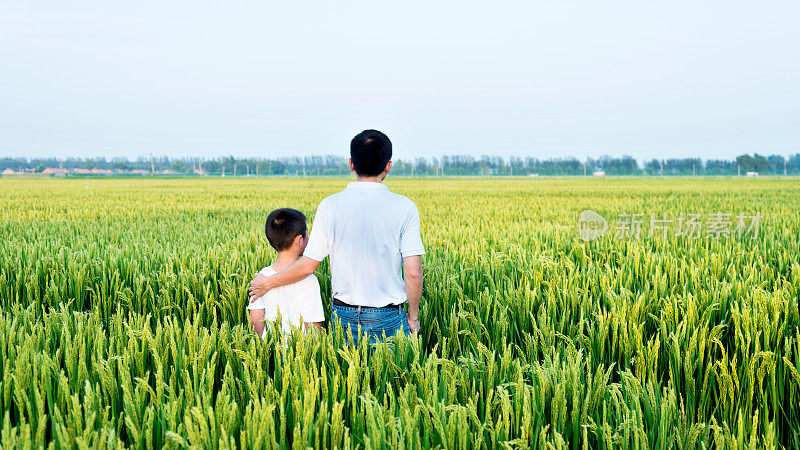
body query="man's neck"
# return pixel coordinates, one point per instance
(285, 259)
(375, 179)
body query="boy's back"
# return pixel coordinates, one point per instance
(297, 303)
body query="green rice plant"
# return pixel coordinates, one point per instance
(123, 321)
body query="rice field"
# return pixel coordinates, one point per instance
(123, 319)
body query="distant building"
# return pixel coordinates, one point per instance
(599, 173)
(55, 172)
(752, 174)
(9, 171)
(139, 172)
(168, 172)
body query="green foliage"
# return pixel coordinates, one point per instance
(123, 321)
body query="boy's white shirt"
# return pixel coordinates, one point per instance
(298, 303)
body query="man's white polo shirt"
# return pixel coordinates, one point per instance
(367, 230)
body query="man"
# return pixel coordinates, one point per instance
(370, 234)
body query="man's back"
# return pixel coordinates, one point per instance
(367, 230)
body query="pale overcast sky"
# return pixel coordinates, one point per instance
(545, 79)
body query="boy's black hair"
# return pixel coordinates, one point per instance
(283, 225)
(370, 151)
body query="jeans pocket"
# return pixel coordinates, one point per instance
(389, 322)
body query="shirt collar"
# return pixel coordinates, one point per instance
(366, 185)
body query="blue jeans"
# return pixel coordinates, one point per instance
(374, 322)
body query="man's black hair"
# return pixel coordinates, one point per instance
(283, 225)
(370, 151)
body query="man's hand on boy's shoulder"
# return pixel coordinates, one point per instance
(258, 286)
(300, 269)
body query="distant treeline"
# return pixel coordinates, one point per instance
(446, 165)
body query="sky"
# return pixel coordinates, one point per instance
(548, 79)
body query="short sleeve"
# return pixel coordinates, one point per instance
(410, 238)
(311, 302)
(259, 303)
(318, 244)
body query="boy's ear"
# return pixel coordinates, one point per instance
(298, 239)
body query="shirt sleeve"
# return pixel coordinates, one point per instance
(311, 303)
(318, 244)
(410, 238)
(259, 303)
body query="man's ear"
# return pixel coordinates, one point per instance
(352, 167)
(388, 167)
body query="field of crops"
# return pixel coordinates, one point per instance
(123, 320)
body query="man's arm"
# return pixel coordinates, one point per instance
(412, 274)
(260, 284)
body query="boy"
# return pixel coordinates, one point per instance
(299, 303)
